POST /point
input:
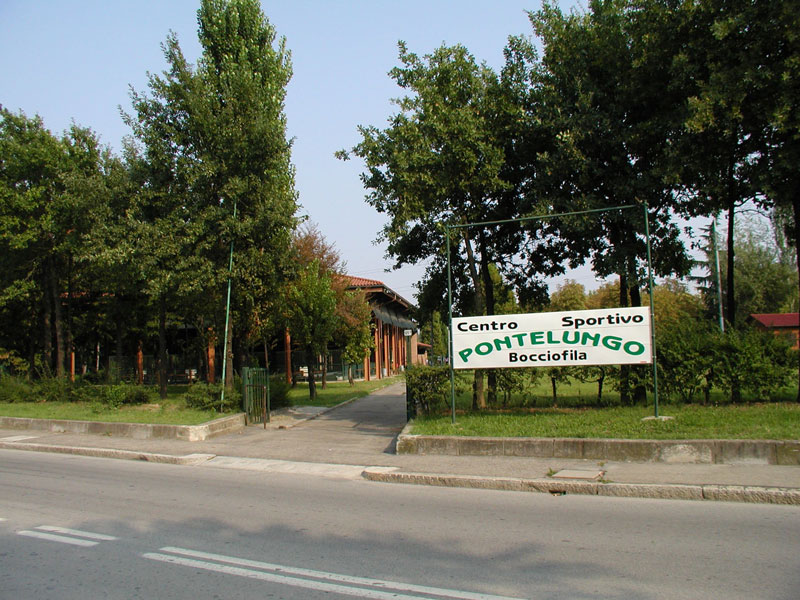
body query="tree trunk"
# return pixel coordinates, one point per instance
(796, 232)
(488, 290)
(730, 312)
(312, 384)
(47, 329)
(58, 322)
(624, 370)
(162, 347)
(478, 398)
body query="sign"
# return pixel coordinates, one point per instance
(407, 332)
(614, 336)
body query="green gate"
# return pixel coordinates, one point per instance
(255, 391)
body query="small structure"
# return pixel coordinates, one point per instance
(787, 324)
(392, 326)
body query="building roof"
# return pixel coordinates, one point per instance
(373, 286)
(777, 320)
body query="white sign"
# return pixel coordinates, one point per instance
(614, 336)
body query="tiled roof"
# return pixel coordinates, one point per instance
(775, 320)
(362, 282)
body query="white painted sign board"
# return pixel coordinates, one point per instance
(614, 336)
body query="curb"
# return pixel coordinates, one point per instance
(712, 451)
(728, 493)
(137, 431)
(189, 459)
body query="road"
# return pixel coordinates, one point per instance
(77, 527)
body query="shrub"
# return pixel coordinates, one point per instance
(427, 387)
(15, 389)
(279, 391)
(120, 394)
(206, 396)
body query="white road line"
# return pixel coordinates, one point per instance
(346, 579)
(57, 538)
(85, 534)
(280, 579)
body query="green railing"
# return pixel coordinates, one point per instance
(255, 394)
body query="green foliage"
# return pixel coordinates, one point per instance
(428, 388)
(279, 391)
(121, 394)
(15, 389)
(205, 396)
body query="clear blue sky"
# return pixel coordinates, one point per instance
(75, 60)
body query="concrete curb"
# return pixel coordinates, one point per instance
(189, 459)
(137, 431)
(764, 495)
(763, 452)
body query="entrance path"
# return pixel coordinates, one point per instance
(360, 432)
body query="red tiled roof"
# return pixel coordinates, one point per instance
(362, 282)
(776, 320)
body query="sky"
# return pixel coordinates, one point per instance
(76, 60)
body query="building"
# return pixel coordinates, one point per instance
(787, 324)
(394, 330)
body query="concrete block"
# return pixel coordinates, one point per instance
(533, 447)
(438, 444)
(739, 493)
(750, 452)
(620, 450)
(689, 452)
(407, 444)
(568, 448)
(475, 446)
(787, 453)
(651, 490)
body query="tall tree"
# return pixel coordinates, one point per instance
(51, 190)
(215, 141)
(442, 161)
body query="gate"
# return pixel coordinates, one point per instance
(255, 391)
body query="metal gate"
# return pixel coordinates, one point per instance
(255, 391)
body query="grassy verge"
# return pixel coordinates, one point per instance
(336, 392)
(173, 410)
(169, 412)
(756, 421)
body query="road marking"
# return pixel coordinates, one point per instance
(280, 574)
(18, 438)
(85, 539)
(51, 537)
(86, 534)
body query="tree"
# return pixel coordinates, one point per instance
(51, 191)
(219, 162)
(442, 161)
(312, 316)
(354, 331)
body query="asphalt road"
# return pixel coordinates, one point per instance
(77, 527)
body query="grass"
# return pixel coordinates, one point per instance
(779, 421)
(336, 392)
(173, 410)
(170, 412)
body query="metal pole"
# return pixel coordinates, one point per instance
(450, 329)
(652, 308)
(227, 321)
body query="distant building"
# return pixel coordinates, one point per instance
(787, 324)
(392, 325)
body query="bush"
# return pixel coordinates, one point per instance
(120, 394)
(15, 389)
(206, 396)
(279, 392)
(427, 387)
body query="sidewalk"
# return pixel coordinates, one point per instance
(359, 438)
